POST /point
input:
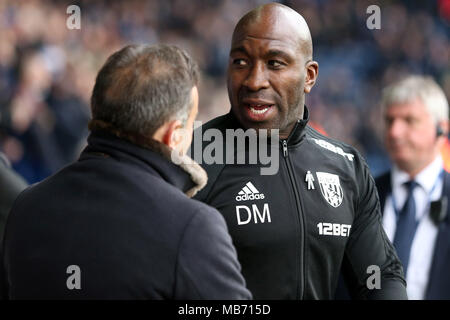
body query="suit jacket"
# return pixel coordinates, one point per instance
(439, 279)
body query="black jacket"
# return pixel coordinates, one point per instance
(11, 184)
(120, 215)
(291, 241)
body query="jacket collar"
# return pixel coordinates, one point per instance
(296, 134)
(179, 171)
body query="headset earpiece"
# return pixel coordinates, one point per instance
(439, 131)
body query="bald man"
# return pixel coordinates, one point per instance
(293, 229)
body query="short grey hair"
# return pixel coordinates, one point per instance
(141, 87)
(418, 87)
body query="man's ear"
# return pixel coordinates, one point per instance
(443, 127)
(312, 70)
(172, 136)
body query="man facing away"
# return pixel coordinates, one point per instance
(294, 229)
(118, 223)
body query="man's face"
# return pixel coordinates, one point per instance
(266, 77)
(410, 136)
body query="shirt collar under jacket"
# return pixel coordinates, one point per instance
(426, 178)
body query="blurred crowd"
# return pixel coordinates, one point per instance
(47, 71)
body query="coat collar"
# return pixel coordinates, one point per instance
(298, 132)
(180, 171)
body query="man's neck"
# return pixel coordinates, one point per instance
(286, 131)
(413, 172)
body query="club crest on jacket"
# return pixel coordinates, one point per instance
(331, 188)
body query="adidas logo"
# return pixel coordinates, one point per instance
(249, 192)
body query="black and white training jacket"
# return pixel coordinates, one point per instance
(294, 230)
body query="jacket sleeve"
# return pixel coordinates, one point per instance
(369, 250)
(207, 266)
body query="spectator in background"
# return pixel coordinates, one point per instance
(121, 213)
(45, 120)
(414, 194)
(416, 116)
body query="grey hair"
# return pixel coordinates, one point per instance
(418, 87)
(141, 87)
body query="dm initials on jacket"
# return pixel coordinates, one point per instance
(285, 223)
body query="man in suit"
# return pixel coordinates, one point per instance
(414, 193)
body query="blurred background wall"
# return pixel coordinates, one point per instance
(47, 71)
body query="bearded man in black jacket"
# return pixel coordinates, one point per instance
(118, 223)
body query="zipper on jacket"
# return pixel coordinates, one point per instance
(300, 218)
(285, 149)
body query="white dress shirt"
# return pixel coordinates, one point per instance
(430, 189)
